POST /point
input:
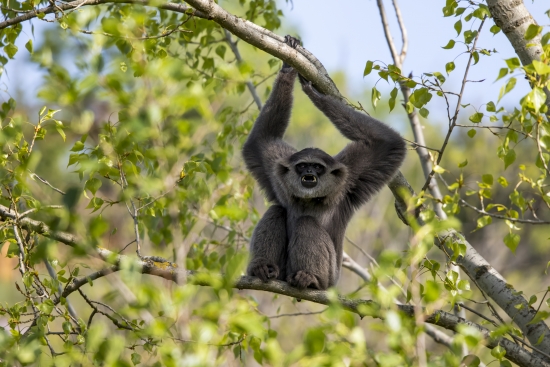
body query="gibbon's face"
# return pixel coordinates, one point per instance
(310, 173)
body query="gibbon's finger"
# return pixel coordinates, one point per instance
(302, 79)
(292, 41)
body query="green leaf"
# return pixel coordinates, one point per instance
(502, 181)
(458, 27)
(424, 112)
(476, 117)
(10, 49)
(475, 55)
(393, 96)
(368, 68)
(375, 97)
(220, 51)
(315, 341)
(46, 307)
(487, 179)
(67, 327)
(484, 221)
(509, 158)
(541, 68)
(470, 360)
(449, 45)
(502, 73)
(463, 164)
(495, 29)
(513, 63)
(512, 241)
(420, 97)
(77, 147)
(469, 36)
(532, 31)
(536, 98)
(472, 133)
(93, 184)
(438, 169)
(498, 352)
(61, 132)
(507, 88)
(491, 107)
(136, 359)
(28, 46)
(450, 66)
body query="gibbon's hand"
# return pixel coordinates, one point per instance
(292, 42)
(308, 87)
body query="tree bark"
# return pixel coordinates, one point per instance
(513, 18)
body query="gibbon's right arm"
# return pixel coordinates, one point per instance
(265, 144)
(375, 153)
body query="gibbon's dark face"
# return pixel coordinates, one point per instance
(309, 173)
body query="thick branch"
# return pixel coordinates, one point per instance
(488, 279)
(171, 271)
(513, 18)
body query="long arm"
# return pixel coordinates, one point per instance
(376, 151)
(265, 144)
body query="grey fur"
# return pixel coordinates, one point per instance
(300, 237)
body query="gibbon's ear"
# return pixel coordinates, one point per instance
(339, 170)
(282, 167)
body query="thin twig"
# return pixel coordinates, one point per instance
(498, 216)
(297, 314)
(250, 86)
(403, 29)
(457, 109)
(46, 182)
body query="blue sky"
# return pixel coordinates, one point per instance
(345, 34)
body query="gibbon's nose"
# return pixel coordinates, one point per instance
(309, 181)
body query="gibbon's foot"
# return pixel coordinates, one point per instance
(265, 272)
(292, 42)
(302, 280)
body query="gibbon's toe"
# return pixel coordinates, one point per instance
(265, 272)
(302, 280)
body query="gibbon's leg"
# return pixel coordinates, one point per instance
(268, 246)
(311, 256)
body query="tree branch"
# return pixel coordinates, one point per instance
(489, 280)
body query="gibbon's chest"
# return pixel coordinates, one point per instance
(325, 218)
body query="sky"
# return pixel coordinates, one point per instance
(345, 34)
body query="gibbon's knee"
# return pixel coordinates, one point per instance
(268, 246)
(311, 256)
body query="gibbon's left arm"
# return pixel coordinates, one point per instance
(265, 144)
(376, 151)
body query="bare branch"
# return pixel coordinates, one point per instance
(250, 86)
(498, 216)
(457, 108)
(403, 29)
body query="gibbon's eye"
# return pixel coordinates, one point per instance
(301, 166)
(317, 167)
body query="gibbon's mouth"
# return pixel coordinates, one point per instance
(309, 181)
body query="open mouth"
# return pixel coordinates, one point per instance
(309, 181)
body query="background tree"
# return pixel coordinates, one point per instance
(147, 106)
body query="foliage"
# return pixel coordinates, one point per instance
(137, 148)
